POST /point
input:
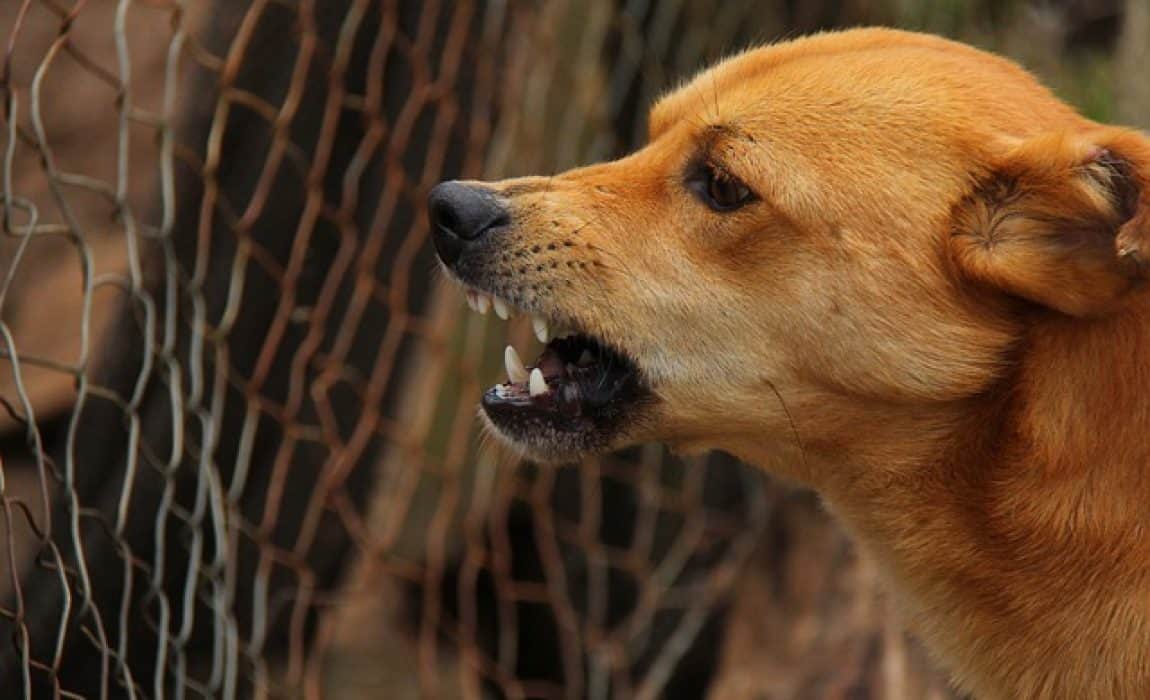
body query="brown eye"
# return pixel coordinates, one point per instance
(720, 190)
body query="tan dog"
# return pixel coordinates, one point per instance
(888, 266)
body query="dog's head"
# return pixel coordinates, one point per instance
(819, 235)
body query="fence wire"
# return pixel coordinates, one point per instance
(238, 455)
(249, 411)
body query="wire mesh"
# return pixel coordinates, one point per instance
(239, 455)
(256, 383)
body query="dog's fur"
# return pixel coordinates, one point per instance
(932, 313)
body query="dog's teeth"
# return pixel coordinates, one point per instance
(516, 372)
(585, 359)
(501, 309)
(472, 300)
(540, 326)
(483, 304)
(536, 385)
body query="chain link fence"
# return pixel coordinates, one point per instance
(238, 455)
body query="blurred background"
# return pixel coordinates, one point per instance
(238, 455)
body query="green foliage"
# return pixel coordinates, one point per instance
(1086, 81)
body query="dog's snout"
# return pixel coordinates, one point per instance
(462, 214)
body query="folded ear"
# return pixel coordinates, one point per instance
(1062, 220)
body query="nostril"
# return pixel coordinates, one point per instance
(461, 214)
(443, 215)
(499, 219)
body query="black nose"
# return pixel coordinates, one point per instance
(462, 214)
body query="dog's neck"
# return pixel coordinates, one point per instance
(1001, 512)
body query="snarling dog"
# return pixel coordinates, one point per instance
(891, 267)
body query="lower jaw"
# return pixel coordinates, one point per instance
(579, 398)
(546, 438)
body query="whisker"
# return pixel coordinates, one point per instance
(583, 224)
(791, 422)
(625, 270)
(715, 91)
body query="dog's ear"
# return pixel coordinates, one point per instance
(1062, 220)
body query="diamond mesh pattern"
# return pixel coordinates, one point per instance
(253, 418)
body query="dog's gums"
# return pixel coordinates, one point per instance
(890, 267)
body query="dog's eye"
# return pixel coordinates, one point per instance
(720, 190)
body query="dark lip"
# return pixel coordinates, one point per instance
(585, 409)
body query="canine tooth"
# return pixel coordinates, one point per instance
(516, 372)
(472, 300)
(501, 309)
(483, 304)
(540, 326)
(536, 385)
(585, 359)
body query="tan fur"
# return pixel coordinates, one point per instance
(934, 315)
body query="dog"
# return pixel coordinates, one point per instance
(893, 268)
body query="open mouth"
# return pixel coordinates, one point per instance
(576, 397)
